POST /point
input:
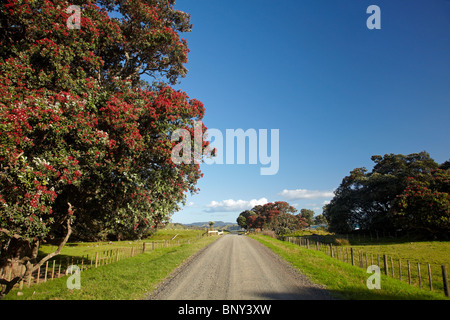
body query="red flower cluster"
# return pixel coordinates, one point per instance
(76, 125)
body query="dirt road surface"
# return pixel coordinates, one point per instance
(236, 267)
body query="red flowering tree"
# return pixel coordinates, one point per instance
(425, 205)
(277, 216)
(284, 223)
(85, 143)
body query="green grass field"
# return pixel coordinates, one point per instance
(78, 250)
(134, 277)
(128, 279)
(435, 253)
(342, 279)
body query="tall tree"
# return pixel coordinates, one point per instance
(308, 215)
(284, 223)
(320, 219)
(242, 218)
(366, 199)
(85, 143)
(424, 206)
(263, 216)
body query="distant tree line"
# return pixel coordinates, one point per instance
(277, 216)
(402, 193)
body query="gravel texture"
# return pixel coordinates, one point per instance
(236, 267)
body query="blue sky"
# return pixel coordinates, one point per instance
(337, 92)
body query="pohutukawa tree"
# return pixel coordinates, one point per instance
(85, 143)
(407, 193)
(276, 216)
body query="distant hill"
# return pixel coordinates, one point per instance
(217, 224)
(205, 224)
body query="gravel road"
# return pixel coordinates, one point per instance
(236, 267)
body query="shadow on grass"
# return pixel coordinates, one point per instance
(306, 294)
(366, 294)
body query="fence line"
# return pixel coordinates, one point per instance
(386, 263)
(56, 268)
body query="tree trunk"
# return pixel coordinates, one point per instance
(16, 253)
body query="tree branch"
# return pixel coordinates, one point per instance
(8, 233)
(55, 253)
(30, 268)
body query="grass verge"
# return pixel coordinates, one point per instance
(77, 250)
(343, 280)
(128, 279)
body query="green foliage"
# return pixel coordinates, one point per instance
(277, 216)
(128, 279)
(308, 215)
(341, 279)
(379, 200)
(320, 219)
(77, 126)
(285, 223)
(242, 219)
(82, 137)
(425, 205)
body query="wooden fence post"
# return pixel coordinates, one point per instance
(385, 264)
(143, 247)
(38, 274)
(46, 268)
(429, 277)
(353, 257)
(53, 269)
(420, 276)
(409, 272)
(23, 270)
(445, 280)
(331, 250)
(392, 267)
(29, 280)
(96, 259)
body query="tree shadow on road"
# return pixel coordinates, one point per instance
(306, 294)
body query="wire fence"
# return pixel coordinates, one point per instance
(59, 266)
(423, 275)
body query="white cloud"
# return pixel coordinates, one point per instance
(305, 194)
(234, 205)
(190, 204)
